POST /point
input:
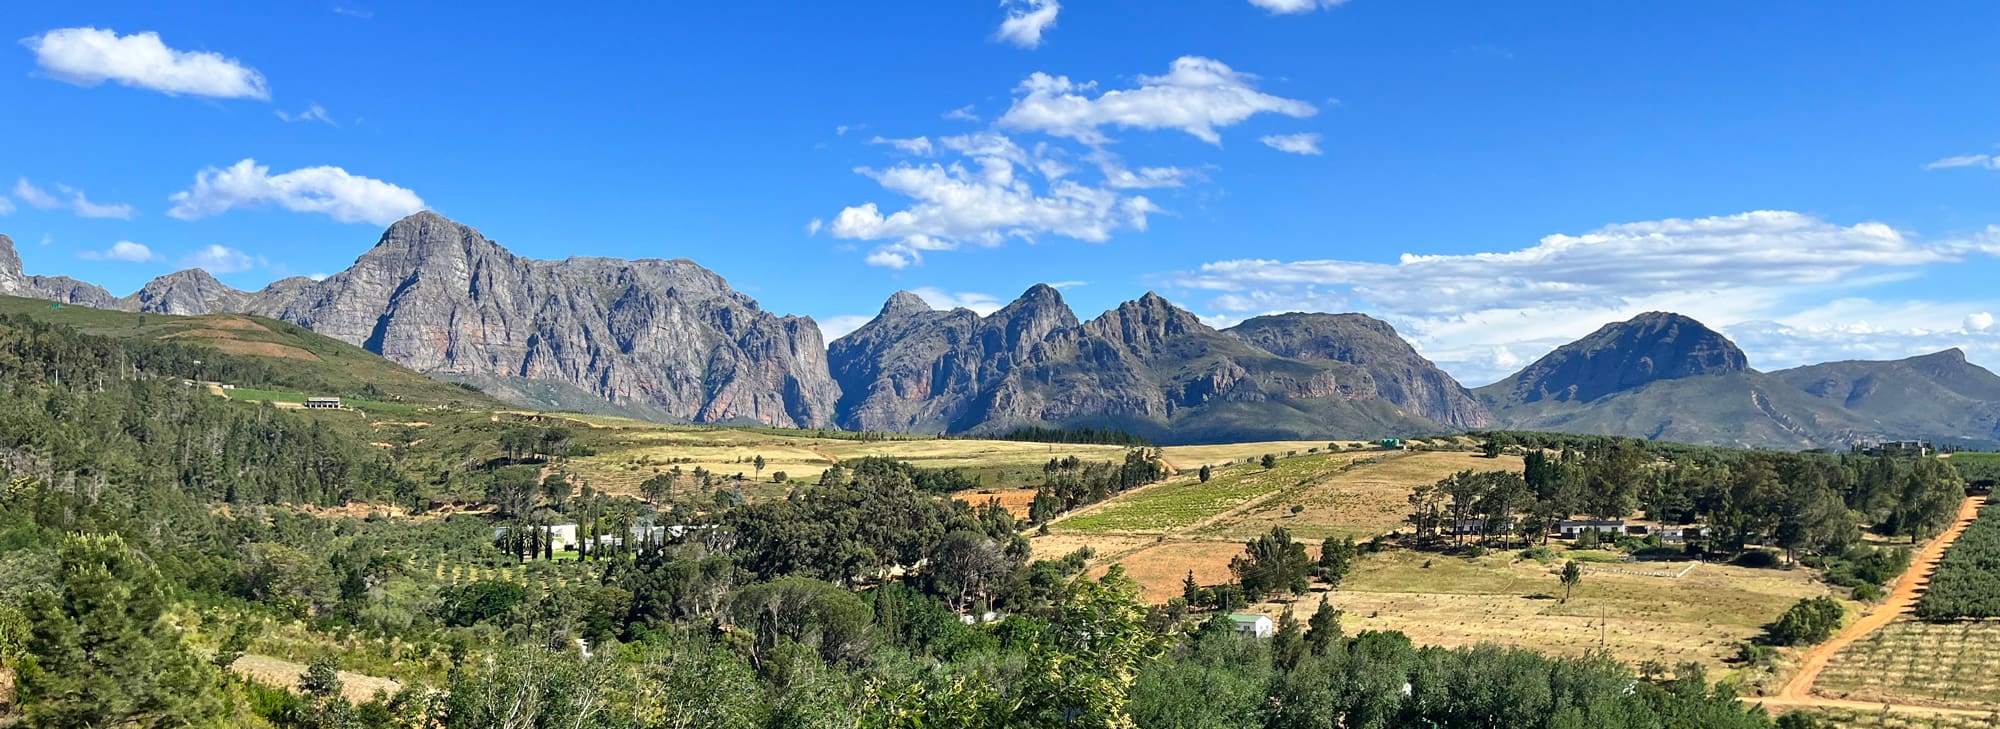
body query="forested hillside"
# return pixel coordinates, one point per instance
(155, 533)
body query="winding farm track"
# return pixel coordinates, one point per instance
(1797, 693)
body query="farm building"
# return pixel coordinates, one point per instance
(1680, 534)
(1574, 528)
(323, 403)
(1469, 527)
(1256, 626)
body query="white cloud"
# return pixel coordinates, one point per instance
(313, 112)
(1307, 143)
(1026, 20)
(1726, 270)
(316, 276)
(916, 146)
(1979, 322)
(1288, 7)
(1197, 95)
(1986, 161)
(331, 190)
(123, 250)
(840, 325)
(219, 259)
(78, 203)
(91, 56)
(963, 113)
(34, 195)
(985, 198)
(1067, 284)
(981, 304)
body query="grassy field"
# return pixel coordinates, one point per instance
(1942, 664)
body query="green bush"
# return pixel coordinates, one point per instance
(1808, 621)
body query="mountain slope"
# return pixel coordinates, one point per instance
(1666, 376)
(186, 293)
(63, 289)
(277, 354)
(1936, 396)
(666, 340)
(1399, 374)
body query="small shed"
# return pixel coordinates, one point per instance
(1256, 626)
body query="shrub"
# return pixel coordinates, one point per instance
(1757, 558)
(1868, 593)
(1808, 621)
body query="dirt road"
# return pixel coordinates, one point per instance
(1902, 598)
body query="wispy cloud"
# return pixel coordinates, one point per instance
(1292, 7)
(219, 259)
(1306, 144)
(75, 201)
(314, 112)
(91, 56)
(1986, 161)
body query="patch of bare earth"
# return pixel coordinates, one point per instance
(358, 688)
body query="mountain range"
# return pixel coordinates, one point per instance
(669, 340)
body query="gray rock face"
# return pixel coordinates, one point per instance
(662, 338)
(913, 369)
(1146, 366)
(186, 293)
(1623, 356)
(14, 282)
(1398, 373)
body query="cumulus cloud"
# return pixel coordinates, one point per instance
(1290, 7)
(330, 190)
(1307, 144)
(219, 259)
(963, 113)
(1197, 95)
(76, 201)
(1979, 322)
(1985, 161)
(91, 56)
(985, 196)
(312, 112)
(1026, 20)
(1724, 270)
(123, 250)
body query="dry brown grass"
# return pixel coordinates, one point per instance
(1015, 501)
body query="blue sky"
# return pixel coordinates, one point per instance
(1494, 179)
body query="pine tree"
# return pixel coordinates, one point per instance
(101, 654)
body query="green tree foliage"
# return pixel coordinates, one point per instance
(1336, 559)
(1967, 582)
(1271, 563)
(99, 652)
(1572, 575)
(1082, 435)
(1808, 621)
(1269, 461)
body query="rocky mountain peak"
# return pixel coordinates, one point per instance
(904, 302)
(1625, 355)
(185, 293)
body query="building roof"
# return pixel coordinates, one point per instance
(1246, 617)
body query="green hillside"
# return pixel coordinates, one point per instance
(281, 360)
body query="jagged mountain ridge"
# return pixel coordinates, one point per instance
(1145, 366)
(669, 340)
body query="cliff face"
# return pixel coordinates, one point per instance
(1146, 366)
(913, 369)
(663, 338)
(1399, 374)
